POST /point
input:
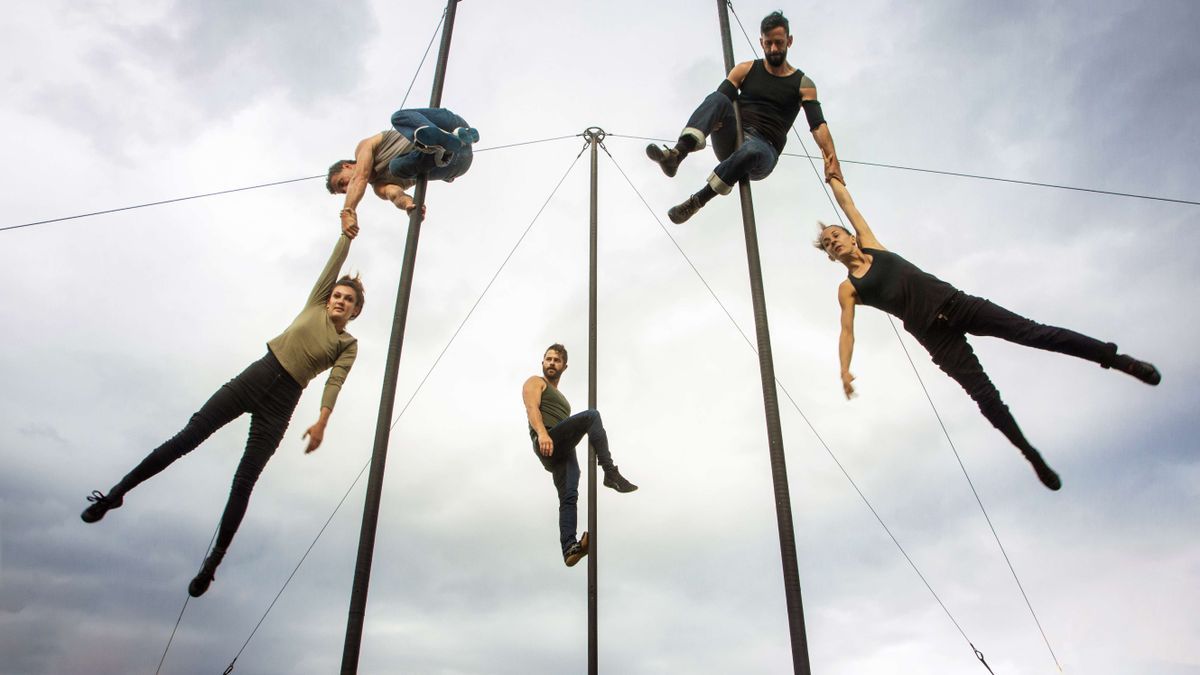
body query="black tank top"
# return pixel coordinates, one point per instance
(769, 104)
(902, 289)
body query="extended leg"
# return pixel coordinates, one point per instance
(982, 317)
(953, 354)
(222, 407)
(267, 426)
(571, 430)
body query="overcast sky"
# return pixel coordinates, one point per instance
(119, 326)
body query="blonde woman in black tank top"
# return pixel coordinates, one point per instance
(940, 316)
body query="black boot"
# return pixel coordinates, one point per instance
(207, 573)
(666, 158)
(1044, 473)
(1146, 372)
(101, 505)
(613, 479)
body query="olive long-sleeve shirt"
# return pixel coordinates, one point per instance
(311, 344)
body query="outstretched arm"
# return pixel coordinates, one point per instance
(819, 129)
(862, 231)
(531, 393)
(364, 160)
(846, 340)
(327, 279)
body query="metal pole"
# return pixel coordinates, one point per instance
(766, 366)
(383, 423)
(594, 135)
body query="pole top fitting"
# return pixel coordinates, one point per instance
(594, 134)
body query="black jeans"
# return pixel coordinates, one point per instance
(946, 342)
(563, 465)
(269, 394)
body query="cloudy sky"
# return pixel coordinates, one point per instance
(120, 326)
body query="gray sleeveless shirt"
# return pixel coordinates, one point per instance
(392, 146)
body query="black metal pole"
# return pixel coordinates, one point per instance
(766, 366)
(387, 401)
(594, 135)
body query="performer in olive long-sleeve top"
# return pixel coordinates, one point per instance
(269, 390)
(940, 316)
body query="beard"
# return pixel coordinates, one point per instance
(551, 374)
(776, 59)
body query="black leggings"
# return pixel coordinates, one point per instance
(946, 342)
(269, 394)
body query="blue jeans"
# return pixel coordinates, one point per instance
(563, 464)
(756, 158)
(416, 164)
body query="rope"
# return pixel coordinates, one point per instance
(424, 56)
(795, 405)
(976, 493)
(242, 189)
(416, 391)
(186, 598)
(936, 414)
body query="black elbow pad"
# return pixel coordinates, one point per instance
(728, 89)
(812, 110)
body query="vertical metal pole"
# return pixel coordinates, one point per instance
(766, 366)
(383, 423)
(594, 136)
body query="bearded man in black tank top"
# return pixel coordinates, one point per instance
(940, 316)
(771, 95)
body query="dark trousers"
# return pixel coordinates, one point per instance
(269, 394)
(563, 465)
(946, 342)
(755, 159)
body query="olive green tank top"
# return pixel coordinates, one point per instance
(554, 406)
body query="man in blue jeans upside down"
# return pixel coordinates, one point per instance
(769, 93)
(433, 143)
(555, 433)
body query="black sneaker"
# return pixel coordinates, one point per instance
(680, 214)
(1146, 372)
(667, 158)
(616, 481)
(1045, 474)
(576, 551)
(100, 506)
(200, 583)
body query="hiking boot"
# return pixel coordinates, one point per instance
(576, 551)
(199, 584)
(1146, 372)
(468, 135)
(679, 214)
(100, 506)
(666, 158)
(613, 479)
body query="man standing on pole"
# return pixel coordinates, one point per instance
(555, 433)
(770, 93)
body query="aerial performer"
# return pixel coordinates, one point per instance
(269, 390)
(770, 93)
(940, 316)
(555, 433)
(433, 143)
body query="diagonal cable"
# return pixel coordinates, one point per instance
(423, 57)
(409, 402)
(183, 609)
(795, 405)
